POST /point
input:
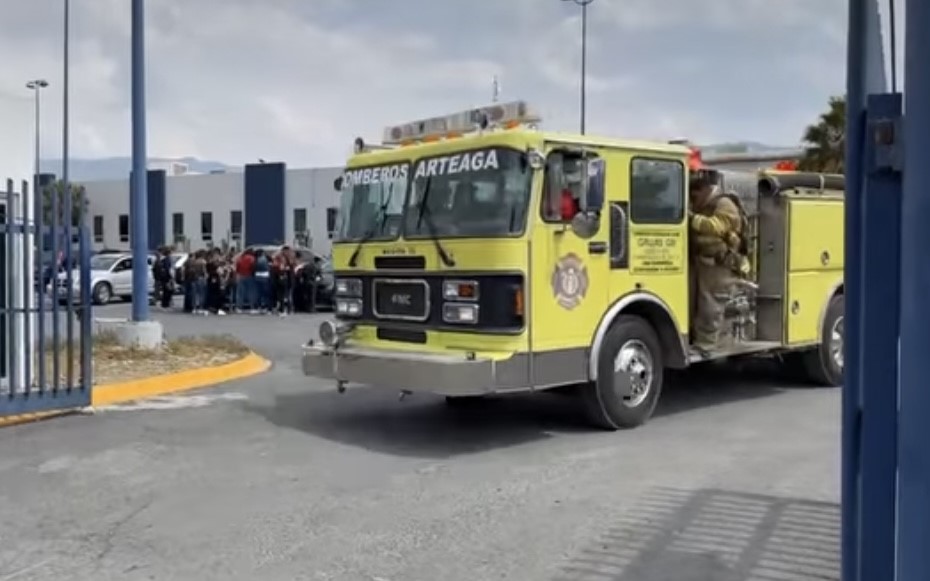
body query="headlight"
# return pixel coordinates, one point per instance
(349, 307)
(332, 332)
(460, 290)
(459, 313)
(349, 287)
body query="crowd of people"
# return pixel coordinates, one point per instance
(217, 282)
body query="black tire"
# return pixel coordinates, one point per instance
(820, 366)
(605, 407)
(102, 293)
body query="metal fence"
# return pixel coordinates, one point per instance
(45, 314)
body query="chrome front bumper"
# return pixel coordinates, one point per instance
(453, 375)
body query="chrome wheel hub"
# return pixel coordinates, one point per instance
(836, 343)
(634, 365)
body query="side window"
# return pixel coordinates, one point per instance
(657, 191)
(563, 190)
(123, 265)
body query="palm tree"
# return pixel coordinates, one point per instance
(825, 141)
(58, 188)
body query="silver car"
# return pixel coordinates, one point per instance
(110, 275)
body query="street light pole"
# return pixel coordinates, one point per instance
(32, 204)
(36, 86)
(138, 194)
(584, 54)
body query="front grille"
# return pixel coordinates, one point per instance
(400, 262)
(401, 335)
(405, 300)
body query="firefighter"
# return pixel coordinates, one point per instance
(716, 225)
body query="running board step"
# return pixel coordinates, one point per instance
(734, 350)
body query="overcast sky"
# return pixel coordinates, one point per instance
(296, 80)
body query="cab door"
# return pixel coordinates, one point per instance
(569, 288)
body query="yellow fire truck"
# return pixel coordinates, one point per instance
(477, 255)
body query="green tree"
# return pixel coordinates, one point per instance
(825, 140)
(57, 188)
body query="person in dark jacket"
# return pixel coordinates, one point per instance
(164, 287)
(215, 282)
(262, 271)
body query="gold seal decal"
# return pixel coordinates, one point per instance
(569, 281)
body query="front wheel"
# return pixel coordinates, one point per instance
(101, 293)
(630, 369)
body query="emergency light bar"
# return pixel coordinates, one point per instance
(506, 115)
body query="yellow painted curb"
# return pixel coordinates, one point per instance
(29, 418)
(114, 393)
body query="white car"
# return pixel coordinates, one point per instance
(110, 275)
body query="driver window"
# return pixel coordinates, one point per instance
(564, 186)
(124, 264)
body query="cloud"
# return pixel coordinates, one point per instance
(236, 80)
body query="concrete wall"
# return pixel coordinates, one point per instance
(311, 190)
(219, 195)
(107, 201)
(17, 139)
(192, 195)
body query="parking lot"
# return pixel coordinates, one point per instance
(278, 477)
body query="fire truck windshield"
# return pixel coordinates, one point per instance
(469, 194)
(372, 203)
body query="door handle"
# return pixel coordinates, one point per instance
(597, 247)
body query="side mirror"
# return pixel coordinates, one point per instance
(586, 224)
(594, 190)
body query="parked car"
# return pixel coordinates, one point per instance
(325, 285)
(111, 275)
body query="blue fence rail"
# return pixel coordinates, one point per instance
(45, 321)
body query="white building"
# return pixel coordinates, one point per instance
(262, 204)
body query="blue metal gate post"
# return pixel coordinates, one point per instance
(879, 326)
(913, 531)
(855, 120)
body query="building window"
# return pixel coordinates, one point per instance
(657, 191)
(235, 224)
(300, 221)
(98, 229)
(331, 221)
(206, 226)
(177, 227)
(124, 227)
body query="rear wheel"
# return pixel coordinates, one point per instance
(824, 365)
(630, 369)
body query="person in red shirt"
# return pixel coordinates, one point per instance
(568, 205)
(245, 281)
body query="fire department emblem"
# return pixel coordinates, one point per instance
(569, 281)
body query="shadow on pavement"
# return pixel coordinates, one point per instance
(714, 534)
(424, 426)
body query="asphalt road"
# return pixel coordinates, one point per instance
(280, 478)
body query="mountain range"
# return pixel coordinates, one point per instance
(114, 168)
